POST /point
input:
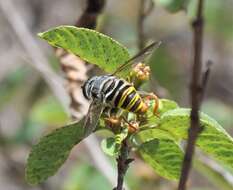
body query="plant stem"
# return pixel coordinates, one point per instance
(89, 17)
(142, 14)
(141, 17)
(123, 162)
(196, 93)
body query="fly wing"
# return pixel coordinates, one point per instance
(139, 57)
(92, 118)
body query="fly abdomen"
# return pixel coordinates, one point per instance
(136, 107)
(110, 95)
(129, 99)
(120, 94)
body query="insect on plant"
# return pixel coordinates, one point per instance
(108, 92)
(139, 121)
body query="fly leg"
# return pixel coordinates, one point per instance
(150, 96)
(112, 119)
(132, 126)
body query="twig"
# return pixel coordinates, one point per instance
(89, 17)
(142, 14)
(141, 40)
(122, 164)
(205, 79)
(38, 60)
(195, 93)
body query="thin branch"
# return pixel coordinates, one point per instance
(123, 162)
(205, 79)
(141, 40)
(195, 93)
(142, 14)
(38, 59)
(89, 17)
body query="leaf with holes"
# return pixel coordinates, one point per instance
(213, 140)
(164, 155)
(90, 45)
(52, 151)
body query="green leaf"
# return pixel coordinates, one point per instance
(164, 155)
(52, 151)
(90, 45)
(149, 134)
(109, 146)
(173, 5)
(213, 140)
(166, 105)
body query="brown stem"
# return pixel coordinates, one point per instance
(195, 93)
(89, 17)
(142, 14)
(122, 164)
(141, 18)
(205, 78)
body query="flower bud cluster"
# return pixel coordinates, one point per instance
(141, 71)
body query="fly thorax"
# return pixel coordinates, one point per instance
(94, 88)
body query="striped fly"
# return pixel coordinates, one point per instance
(109, 91)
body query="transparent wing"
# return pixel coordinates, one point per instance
(139, 57)
(92, 118)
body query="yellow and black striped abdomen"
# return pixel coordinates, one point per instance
(129, 99)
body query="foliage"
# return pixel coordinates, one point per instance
(51, 152)
(164, 155)
(90, 45)
(158, 138)
(213, 139)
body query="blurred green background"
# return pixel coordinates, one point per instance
(28, 108)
